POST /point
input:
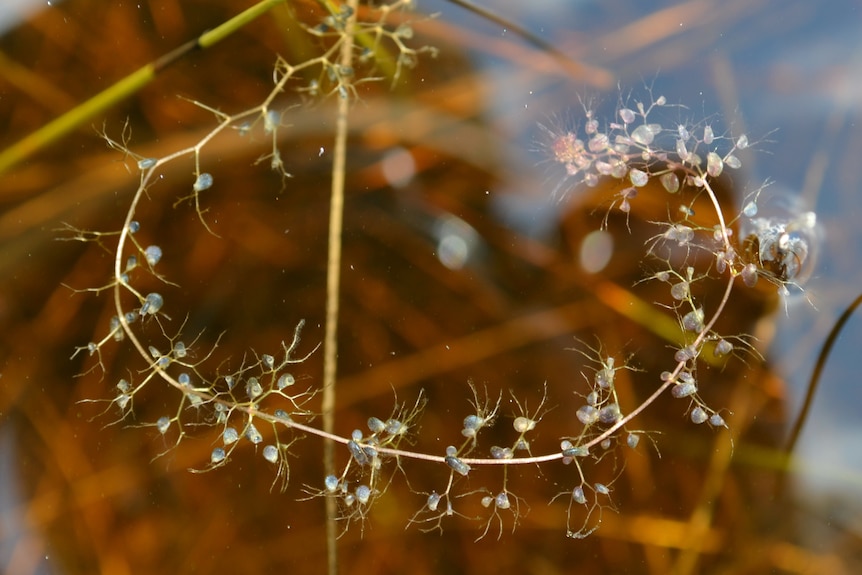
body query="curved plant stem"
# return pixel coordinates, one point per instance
(102, 101)
(818, 371)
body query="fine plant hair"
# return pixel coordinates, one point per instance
(260, 404)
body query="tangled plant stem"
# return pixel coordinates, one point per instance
(635, 153)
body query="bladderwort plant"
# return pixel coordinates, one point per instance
(261, 405)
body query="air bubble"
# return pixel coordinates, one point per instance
(146, 163)
(720, 262)
(457, 465)
(270, 453)
(221, 413)
(598, 143)
(404, 31)
(603, 168)
(578, 495)
(498, 452)
(203, 182)
(714, 164)
(152, 304)
(693, 320)
(670, 181)
(252, 434)
(123, 400)
(604, 377)
(682, 390)
(682, 150)
(588, 414)
(286, 380)
(153, 254)
(679, 291)
(749, 275)
(253, 388)
(395, 427)
(363, 494)
(358, 454)
(523, 424)
(570, 450)
(723, 347)
(433, 501)
(330, 482)
(502, 500)
(117, 329)
(473, 422)
(685, 354)
(372, 453)
(271, 121)
(627, 116)
(679, 233)
(163, 424)
(217, 456)
(376, 425)
(638, 178)
(610, 414)
(643, 135)
(619, 168)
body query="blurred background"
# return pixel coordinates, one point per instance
(465, 259)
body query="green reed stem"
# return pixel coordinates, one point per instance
(59, 127)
